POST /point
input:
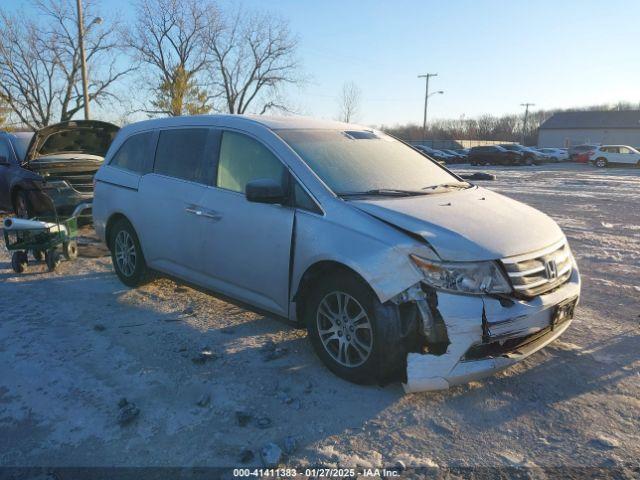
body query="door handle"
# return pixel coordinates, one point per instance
(203, 213)
(211, 215)
(193, 210)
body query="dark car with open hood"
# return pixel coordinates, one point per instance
(55, 164)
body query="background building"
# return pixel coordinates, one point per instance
(597, 127)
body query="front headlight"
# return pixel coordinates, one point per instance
(463, 277)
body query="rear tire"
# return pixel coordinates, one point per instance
(600, 162)
(70, 250)
(126, 254)
(360, 340)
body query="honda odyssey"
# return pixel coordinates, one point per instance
(397, 267)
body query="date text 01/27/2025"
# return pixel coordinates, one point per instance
(316, 472)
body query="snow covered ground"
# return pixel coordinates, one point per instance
(211, 388)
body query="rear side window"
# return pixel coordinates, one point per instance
(183, 153)
(243, 159)
(134, 153)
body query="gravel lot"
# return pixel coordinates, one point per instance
(74, 342)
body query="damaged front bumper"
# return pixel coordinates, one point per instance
(487, 334)
(63, 198)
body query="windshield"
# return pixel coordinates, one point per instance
(20, 143)
(349, 163)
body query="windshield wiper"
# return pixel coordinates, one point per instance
(460, 185)
(383, 192)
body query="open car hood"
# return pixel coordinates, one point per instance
(89, 137)
(468, 225)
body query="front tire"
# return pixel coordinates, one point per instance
(52, 259)
(21, 205)
(348, 334)
(19, 261)
(126, 254)
(600, 162)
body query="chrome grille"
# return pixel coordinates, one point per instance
(81, 182)
(538, 272)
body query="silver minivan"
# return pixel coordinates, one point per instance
(397, 267)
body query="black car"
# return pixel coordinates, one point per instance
(494, 155)
(56, 165)
(530, 156)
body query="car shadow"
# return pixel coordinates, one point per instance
(559, 373)
(163, 347)
(195, 365)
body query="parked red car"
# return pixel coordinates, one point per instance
(581, 153)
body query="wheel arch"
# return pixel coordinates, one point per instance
(115, 217)
(13, 194)
(317, 270)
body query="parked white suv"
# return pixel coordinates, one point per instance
(614, 154)
(397, 267)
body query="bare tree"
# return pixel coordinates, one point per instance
(5, 111)
(169, 39)
(102, 46)
(349, 101)
(40, 69)
(28, 71)
(252, 57)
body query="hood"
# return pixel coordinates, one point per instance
(86, 137)
(468, 225)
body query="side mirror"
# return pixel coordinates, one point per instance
(265, 190)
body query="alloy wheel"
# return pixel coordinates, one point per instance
(344, 329)
(125, 253)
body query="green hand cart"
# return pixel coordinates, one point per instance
(43, 239)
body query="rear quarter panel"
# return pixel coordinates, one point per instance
(116, 191)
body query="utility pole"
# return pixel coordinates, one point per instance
(526, 118)
(426, 76)
(83, 60)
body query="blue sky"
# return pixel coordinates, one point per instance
(490, 55)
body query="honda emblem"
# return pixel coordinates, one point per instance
(551, 267)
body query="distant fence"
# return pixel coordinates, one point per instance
(455, 144)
